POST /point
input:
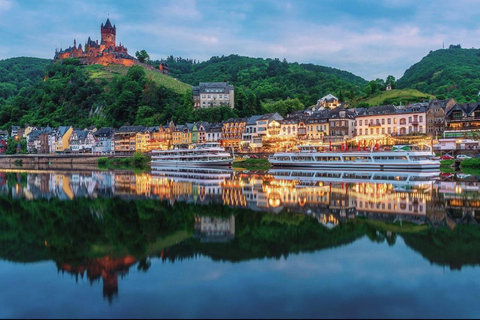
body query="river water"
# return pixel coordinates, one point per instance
(188, 243)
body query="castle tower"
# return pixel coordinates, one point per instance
(108, 34)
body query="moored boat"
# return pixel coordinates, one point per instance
(206, 154)
(401, 157)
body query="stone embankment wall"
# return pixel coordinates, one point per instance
(32, 161)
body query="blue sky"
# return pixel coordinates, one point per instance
(371, 38)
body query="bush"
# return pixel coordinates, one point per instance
(471, 163)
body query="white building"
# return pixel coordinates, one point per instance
(391, 120)
(213, 94)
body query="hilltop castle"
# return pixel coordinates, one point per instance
(106, 52)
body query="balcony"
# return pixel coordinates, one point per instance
(415, 123)
(374, 124)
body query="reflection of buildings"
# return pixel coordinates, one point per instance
(214, 229)
(108, 269)
(329, 196)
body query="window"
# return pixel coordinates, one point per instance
(389, 121)
(383, 130)
(366, 131)
(360, 131)
(360, 122)
(409, 119)
(403, 121)
(383, 121)
(389, 130)
(457, 114)
(420, 119)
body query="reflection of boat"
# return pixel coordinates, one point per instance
(207, 154)
(402, 157)
(391, 177)
(199, 175)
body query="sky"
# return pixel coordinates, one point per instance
(370, 38)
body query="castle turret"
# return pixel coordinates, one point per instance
(108, 34)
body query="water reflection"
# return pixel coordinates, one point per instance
(421, 197)
(100, 224)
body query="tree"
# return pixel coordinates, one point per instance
(142, 56)
(391, 81)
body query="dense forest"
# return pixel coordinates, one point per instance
(270, 80)
(17, 73)
(446, 73)
(68, 95)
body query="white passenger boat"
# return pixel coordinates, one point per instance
(401, 157)
(206, 154)
(197, 175)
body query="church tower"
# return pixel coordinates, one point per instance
(108, 34)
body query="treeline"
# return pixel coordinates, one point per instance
(269, 80)
(451, 73)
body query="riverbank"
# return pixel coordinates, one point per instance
(48, 161)
(137, 161)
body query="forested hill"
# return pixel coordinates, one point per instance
(17, 73)
(270, 79)
(446, 73)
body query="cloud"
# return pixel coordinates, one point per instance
(369, 38)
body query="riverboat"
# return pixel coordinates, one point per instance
(400, 157)
(206, 154)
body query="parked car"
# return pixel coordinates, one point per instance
(463, 156)
(463, 175)
(447, 157)
(253, 156)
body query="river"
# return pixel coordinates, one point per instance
(184, 243)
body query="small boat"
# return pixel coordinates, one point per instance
(401, 157)
(205, 154)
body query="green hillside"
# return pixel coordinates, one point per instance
(108, 72)
(450, 73)
(270, 79)
(69, 93)
(397, 97)
(18, 73)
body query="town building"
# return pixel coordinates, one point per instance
(341, 123)
(126, 139)
(213, 94)
(199, 133)
(81, 141)
(391, 120)
(436, 116)
(232, 132)
(214, 132)
(462, 120)
(104, 141)
(327, 102)
(181, 136)
(317, 126)
(62, 139)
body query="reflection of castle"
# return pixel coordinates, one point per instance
(214, 229)
(106, 268)
(106, 52)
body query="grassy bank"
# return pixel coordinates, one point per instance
(473, 163)
(253, 164)
(138, 161)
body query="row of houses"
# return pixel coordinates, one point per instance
(435, 118)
